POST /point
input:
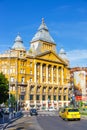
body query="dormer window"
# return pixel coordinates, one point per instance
(21, 53)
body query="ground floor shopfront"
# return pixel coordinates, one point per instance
(44, 96)
(45, 105)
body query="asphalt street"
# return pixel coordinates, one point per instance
(46, 121)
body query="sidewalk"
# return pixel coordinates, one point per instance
(84, 117)
(5, 120)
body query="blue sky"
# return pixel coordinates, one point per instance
(65, 19)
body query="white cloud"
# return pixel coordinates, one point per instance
(77, 57)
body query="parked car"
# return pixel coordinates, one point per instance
(70, 114)
(6, 111)
(33, 111)
(51, 109)
(1, 113)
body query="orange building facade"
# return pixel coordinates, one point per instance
(38, 77)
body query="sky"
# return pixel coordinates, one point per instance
(65, 19)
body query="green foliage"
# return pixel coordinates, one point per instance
(4, 88)
(12, 101)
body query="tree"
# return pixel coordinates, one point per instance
(12, 101)
(4, 88)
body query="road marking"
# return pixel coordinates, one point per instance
(42, 115)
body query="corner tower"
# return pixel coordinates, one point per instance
(18, 43)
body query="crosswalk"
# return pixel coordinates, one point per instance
(1, 127)
(41, 115)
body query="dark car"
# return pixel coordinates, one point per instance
(33, 112)
(1, 113)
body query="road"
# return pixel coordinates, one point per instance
(46, 121)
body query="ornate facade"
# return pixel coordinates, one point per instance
(38, 77)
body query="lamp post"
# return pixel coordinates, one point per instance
(58, 103)
(48, 103)
(9, 86)
(73, 96)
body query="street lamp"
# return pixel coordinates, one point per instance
(73, 96)
(9, 87)
(48, 103)
(58, 103)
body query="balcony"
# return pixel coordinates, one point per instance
(55, 93)
(38, 92)
(60, 92)
(22, 93)
(31, 101)
(37, 101)
(22, 83)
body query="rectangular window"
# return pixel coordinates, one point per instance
(31, 89)
(49, 97)
(37, 97)
(21, 54)
(54, 97)
(30, 64)
(55, 90)
(64, 98)
(22, 79)
(30, 79)
(31, 97)
(44, 90)
(38, 89)
(50, 90)
(43, 97)
(22, 97)
(59, 97)
(13, 88)
(30, 71)
(12, 79)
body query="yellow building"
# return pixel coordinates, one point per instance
(38, 77)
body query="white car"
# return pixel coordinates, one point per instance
(6, 110)
(51, 109)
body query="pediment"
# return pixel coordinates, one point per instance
(51, 56)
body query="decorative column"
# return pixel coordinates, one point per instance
(62, 75)
(47, 98)
(57, 75)
(46, 73)
(40, 72)
(52, 97)
(52, 74)
(28, 95)
(35, 95)
(41, 91)
(35, 83)
(35, 72)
